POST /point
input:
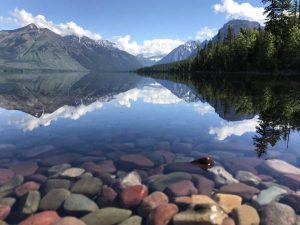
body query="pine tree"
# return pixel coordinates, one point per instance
(272, 11)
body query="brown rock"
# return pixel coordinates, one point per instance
(181, 188)
(133, 195)
(162, 214)
(107, 197)
(137, 160)
(152, 201)
(240, 189)
(228, 202)
(27, 168)
(43, 218)
(245, 215)
(204, 185)
(26, 187)
(6, 175)
(4, 211)
(195, 199)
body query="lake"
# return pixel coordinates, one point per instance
(120, 130)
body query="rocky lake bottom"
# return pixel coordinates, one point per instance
(123, 156)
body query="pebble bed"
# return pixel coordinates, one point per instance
(147, 182)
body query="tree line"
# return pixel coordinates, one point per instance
(273, 48)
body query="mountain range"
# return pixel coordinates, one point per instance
(31, 47)
(35, 48)
(190, 48)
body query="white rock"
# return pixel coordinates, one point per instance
(221, 176)
(131, 179)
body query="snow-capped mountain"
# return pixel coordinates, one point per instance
(182, 52)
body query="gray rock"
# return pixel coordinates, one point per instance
(107, 216)
(87, 186)
(221, 176)
(277, 213)
(248, 178)
(9, 187)
(77, 203)
(8, 201)
(72, 172)
(134, 220)
(54, 199)
(54, 170)
(30, 203)
(162, 182)
(57, 183)
(269, 195)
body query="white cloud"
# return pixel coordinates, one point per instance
(203, 108)
(234, 128)
(206, 33)
(149, 48)
(234, 10)
(23, 18)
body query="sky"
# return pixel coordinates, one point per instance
(149, 27)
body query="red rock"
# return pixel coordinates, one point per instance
(152, 201)
(228, 221)
(104, 167)
(27, 168)
(162, 214)
(43, 218)
(265, 177)
(137, 160)
(204, 185)
(6, 175)
(69, 221)
(181, 188)
(133, 195)
(4, 211)
(243, 190)
(291, 180)
(26, 187)
(168, 156)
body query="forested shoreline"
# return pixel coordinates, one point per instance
(272, 48)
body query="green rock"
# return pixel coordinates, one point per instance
(87, 186)
(134, 220)
(54, 199)
(162, 182)
(57, 183)
(107, 216)
(77, 203)
(8, 201)
(30, 203)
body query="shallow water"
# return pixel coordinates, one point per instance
(115, 119)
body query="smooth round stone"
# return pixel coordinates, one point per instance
(107, 216)
(69, 221)
(245, 215)
(131, 179)
(87, 186)
(280, 167)
(152, 201)
(292, 200)
(39, 178)
(43, 218)
(277, 213)
(3, 223)
(228, 202)
(233, 166)
(107, 166)
(133, 195)
(200, 214)
(269, 195)
(228, 221)
(137, 160)
(6, 175)
(8, 201)
(25, 168)
(181, 188)
(54, 199)
(162, 214)
(195, 200)
(247, 177)
(134, 220)
(57, 183)
(204, 185)
(4, 211)
(162, 182)
(30, 203)
(291, 180)
(77, 203)
(58, 169)
(240, 189)
(9, 187)
(72, 172)
(26, 187)
(221, 176)
(107, 197)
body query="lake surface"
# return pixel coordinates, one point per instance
(116, 123)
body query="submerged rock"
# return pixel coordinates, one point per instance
(221, 176)
(248, 178)
(57, 183)
(269, 195)
(152, 201)
(9, 187)
(133, 195)
(77, 204)
(134, 220)
(181, 188)
(280, 167)
(137, 160)
(6, 175)
(54, 199)
(245, 215)
(228, 202)
(277, 213)
(87, 186)
(240, 189)
(43, 218)
(162, 182)
(69, 221)
(30, 203)
(131, 179)
(72, 172)
(162, 214)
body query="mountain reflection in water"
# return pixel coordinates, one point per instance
(227, 109)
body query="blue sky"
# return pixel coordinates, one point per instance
(135, 21)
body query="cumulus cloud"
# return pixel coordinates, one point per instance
(203, 108)
(149, 48)
(206, 33)
(23, 18)
(234, 10)
(234, 128)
